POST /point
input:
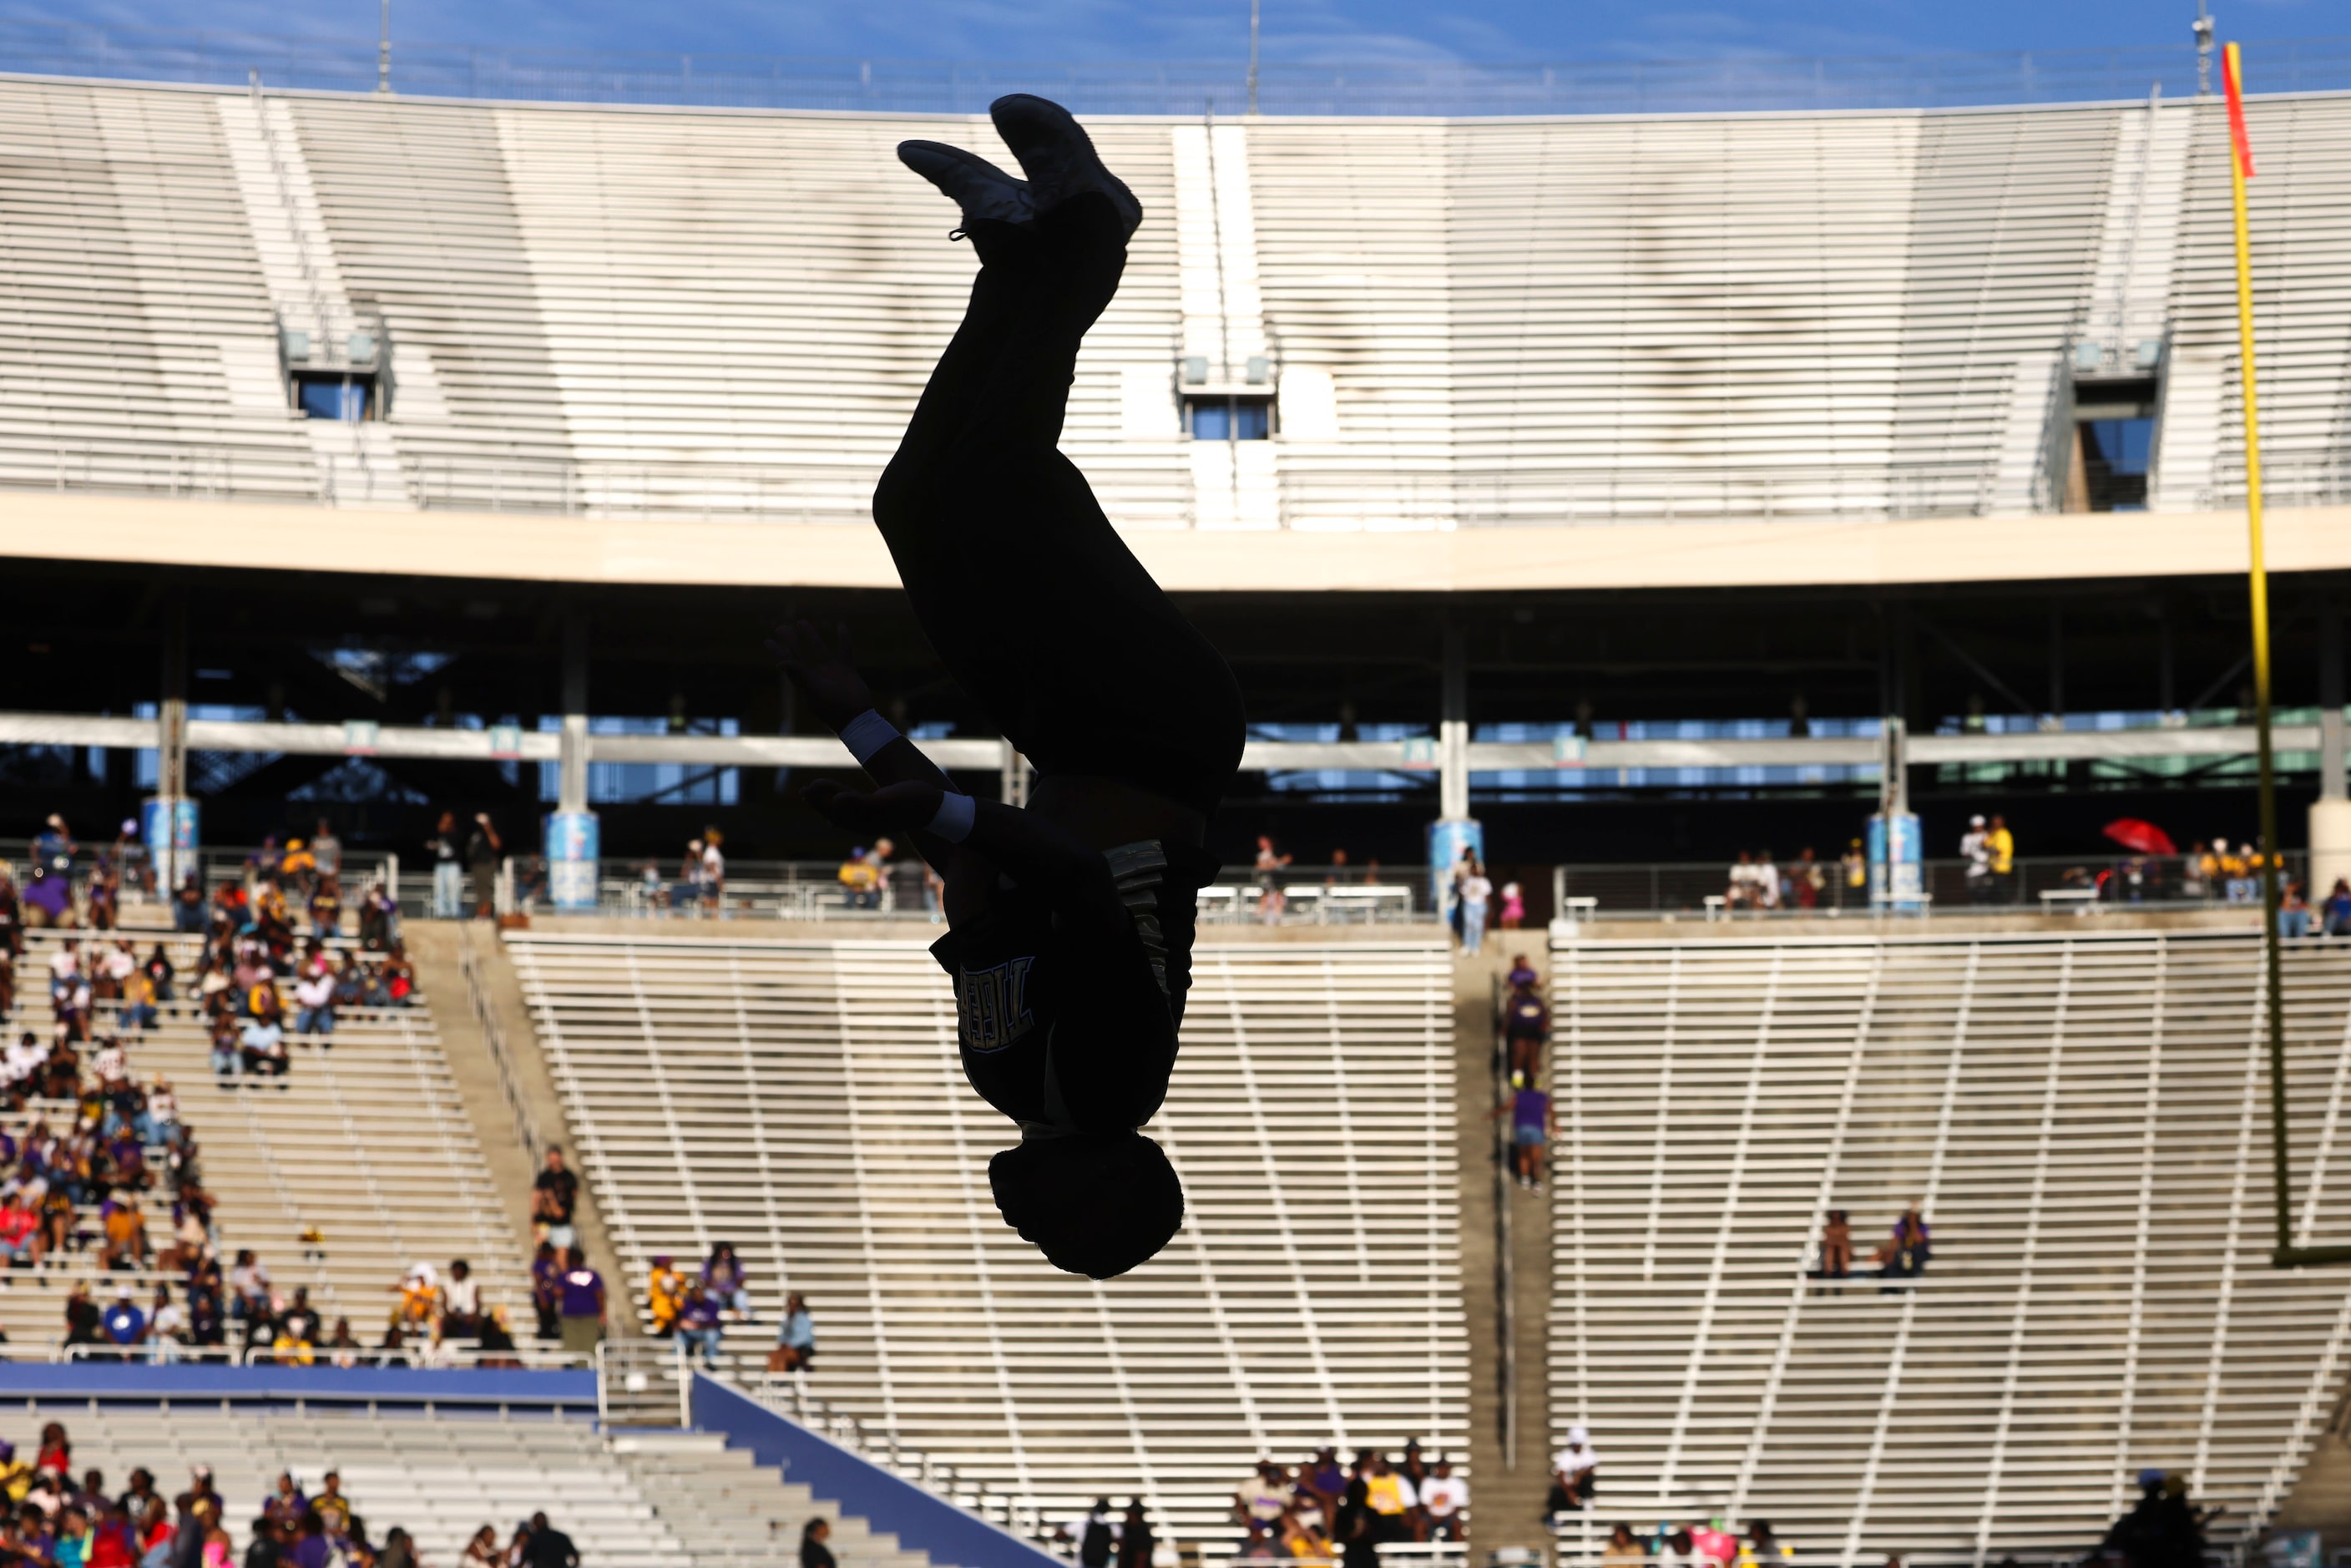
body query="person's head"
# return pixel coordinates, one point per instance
(1134, 1507)
(573, 1258)
(883, 849)
(554, 1159)
(816, 1530)
(448, 822)
(458, 1269)
(1622, 1535)
(1095, 1204)
(1578, 1437)
(1443, 1468)
(538, 1521)
(333, 1482)
(1998, 822)
(795, 1302)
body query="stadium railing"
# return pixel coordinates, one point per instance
(2040, 885)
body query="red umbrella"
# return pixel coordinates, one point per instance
(2145, 837)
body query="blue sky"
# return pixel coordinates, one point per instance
(1305, 31)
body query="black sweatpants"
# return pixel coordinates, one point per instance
(1028, 594)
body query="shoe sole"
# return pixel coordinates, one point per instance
(1130, 209)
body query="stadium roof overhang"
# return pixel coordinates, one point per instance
(556, 549)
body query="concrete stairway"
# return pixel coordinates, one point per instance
(728, 1512)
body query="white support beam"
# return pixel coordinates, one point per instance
(986, 754)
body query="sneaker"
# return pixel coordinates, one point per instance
(1058, 156)
(977, 186)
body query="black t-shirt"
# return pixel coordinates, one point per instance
(479, 851)
(445, 847)
(550, 1548)
(565, 1186)
(1067, 1015)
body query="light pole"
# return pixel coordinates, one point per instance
(2202, 28)
(383, 50)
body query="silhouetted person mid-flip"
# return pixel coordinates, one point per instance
(1071, 921)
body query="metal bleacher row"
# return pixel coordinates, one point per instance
(1532, 321)
(2085, 1121)
(367, 1142)
(803, 1100)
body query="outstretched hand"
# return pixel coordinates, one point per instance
(824, 671)
(893, 807)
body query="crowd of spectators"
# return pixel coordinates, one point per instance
(50, 1519)
(695, 1309)
(1320, 1510)
(1757, 885)
(258, 982)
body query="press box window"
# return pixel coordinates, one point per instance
(345, 375)
(1228, 418)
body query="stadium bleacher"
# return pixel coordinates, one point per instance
(2084, 1123)
(638, 1501)
(368, 1143)
(803, 1100)
(1867, 314)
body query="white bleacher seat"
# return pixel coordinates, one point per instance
(804, 1100)
(2084, 1117)
(1722, 316)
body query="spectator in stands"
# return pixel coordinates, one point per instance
(482, 848)
(1739, 887)
(1836, 1246)
(701, 1327)
(1445, 1499)
(547, 1547)
(447, 848)
(262, 1047)
(1095, 1535)
(314, 1001)
(714, 873)
(2334, 914)
(1762, 1549)
(582, 1304)
(1477, 892)
(1907, 1252)
(546, 1290)
(1135, 1539)
(1853, 887)
(2001, 845)
(554, 1194)
(1624, 1548)
(860, 882)
(795, 1337)
(420, 1299)
(460, 1303)
(814, 1553)
(123, 1326)
(664, 1295)
(1260, 1501)
(727, 1280)
(1270, 898)
(2293, 913)
(327, 909)
(1526, 1029)
(1514, 907)
(1575, 1474)
(20, 1229)
(1533, 1123)
(124, 1227)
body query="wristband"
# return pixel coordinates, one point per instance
(866, 734)
(955, 817)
